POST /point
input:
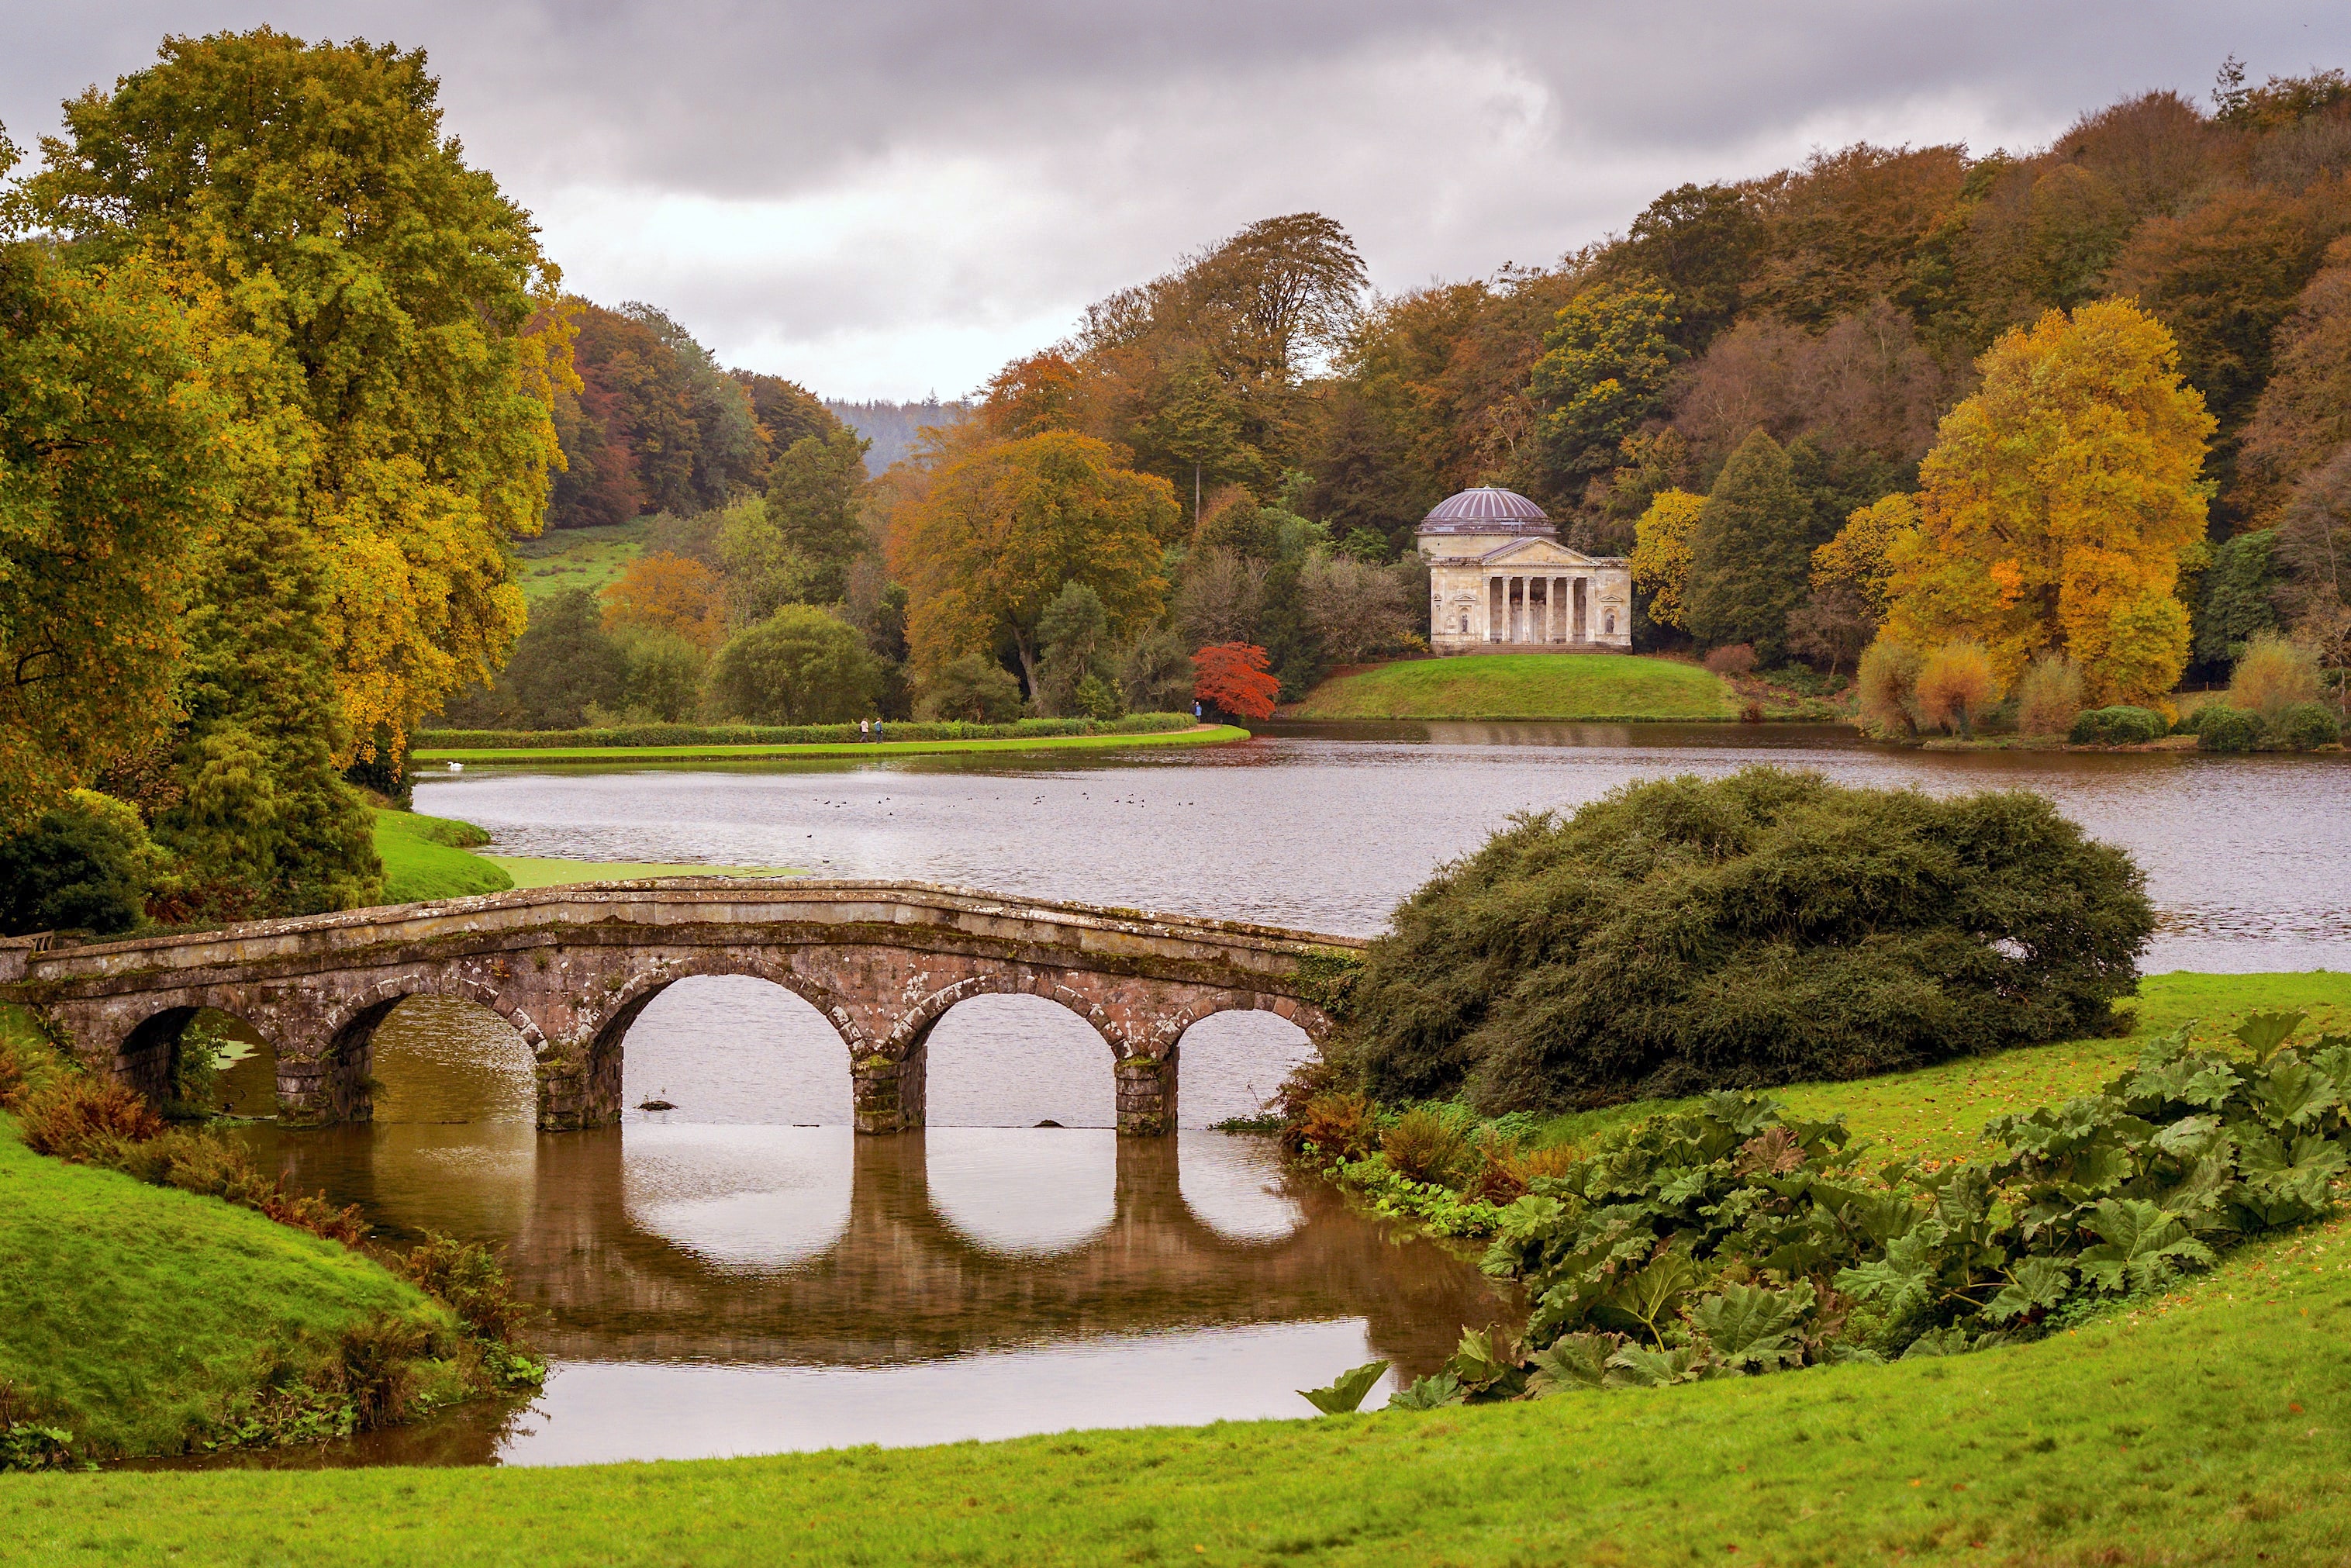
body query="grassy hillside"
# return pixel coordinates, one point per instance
(425, 857)
(577, 558)
(136, 1314)
(1522, 686)
(2196, 1427)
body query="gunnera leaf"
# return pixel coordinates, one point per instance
(1636, 1367)
(2263, 1033)
(2033, 1284)
(1346, 1393)
(1428, 1394)
(1572, 1360)
(1751, 1326)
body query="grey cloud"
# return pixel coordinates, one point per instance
(1086, 145)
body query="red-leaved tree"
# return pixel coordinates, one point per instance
(1233, 676)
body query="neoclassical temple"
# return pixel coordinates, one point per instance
(1501, 581)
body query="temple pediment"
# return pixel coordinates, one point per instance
(1530, 555)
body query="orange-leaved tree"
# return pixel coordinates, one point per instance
(665, 592)
(2059, 505)
(1234, 677)
(1006, 525)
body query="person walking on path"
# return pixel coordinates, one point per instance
(864, 729)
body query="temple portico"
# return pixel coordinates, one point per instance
(1500, 581)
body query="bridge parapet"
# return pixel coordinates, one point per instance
(571, 967)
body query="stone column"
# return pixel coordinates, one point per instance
(1146, 1095)
(887, 1096)
(1558, 617)
(1583, 592)
(1498, 609)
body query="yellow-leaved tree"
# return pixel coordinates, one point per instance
(1859, 556)
(1006, 525)
(2060, 504)
(1661, 554)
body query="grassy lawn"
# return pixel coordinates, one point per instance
(2205, 1427)
(577, 558)
(1522, 686)
(426, 857)
(1204, 735)
(1938, 1112)
(431, 857)
(133, 1314)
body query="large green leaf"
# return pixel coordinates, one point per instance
(2264, 1032)
(1575, 1361)
(1428, 1394)
(1636, 1367)
(2141, 1247)
(1650, 1296)
(2033, 1284)
(1346, 1393)
(2293, 1093)
(1752, 1326)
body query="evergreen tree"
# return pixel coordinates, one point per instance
(564, 663)
(2235, 604)
(1750, 551)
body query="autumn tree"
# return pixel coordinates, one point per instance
(378, 304)
(1235, 678)
(2059, 505)
(1860, 556)
(1004, 526)
(1749, 551)
(1661, 555)
(1703, 242)
(664, 592)
(1042, 392)
(109, 471)
(1603, 372)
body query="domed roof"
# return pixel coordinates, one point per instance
(1486, 509)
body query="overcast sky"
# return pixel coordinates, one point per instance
(883, 199)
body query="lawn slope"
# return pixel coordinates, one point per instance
(426, 857)
(1592, 686)
(2203, 1429)
(133, 1314)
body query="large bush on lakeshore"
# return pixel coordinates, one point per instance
(1764, 928)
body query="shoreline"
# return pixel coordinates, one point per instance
(1197, 734)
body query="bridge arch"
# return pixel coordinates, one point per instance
(1227, 1065)
(332, 1084)
(147, 1057)
(1059, 1053)
(608, 1028)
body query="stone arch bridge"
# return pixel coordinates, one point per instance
(571, 967)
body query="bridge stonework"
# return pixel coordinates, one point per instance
(570, 968)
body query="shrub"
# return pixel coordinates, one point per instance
(1422, 1145)
(1768, 927)
(801, 665)
(973, 688)
(2049, 697)
(86, 863)
(466, 1275)
(1731, 659)
(2121, 726)
(89, 1121)
(2272, 676)
(2223, 727)
(1883, 684)
(1339, 1124)
(1955, 684)
(2305, 726)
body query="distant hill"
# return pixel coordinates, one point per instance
(892, 426)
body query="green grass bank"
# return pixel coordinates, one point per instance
(1523, 687)
(431, 857)
(135, 1316)
(2201, 1427)
(1202, 735)
(579, 557)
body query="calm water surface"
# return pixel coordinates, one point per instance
(742, 1275)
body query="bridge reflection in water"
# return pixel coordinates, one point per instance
(717, 1288)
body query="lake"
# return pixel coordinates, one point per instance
(740, 1274)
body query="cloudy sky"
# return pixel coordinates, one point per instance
(881, 200)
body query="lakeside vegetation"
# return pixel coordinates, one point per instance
(1200, 735)
(168, 1296)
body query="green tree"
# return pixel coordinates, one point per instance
(1603, 370)
(973, 688)
(2236, 603)
(1079, 672)
(1702, 241)
(109, 467)
(801, 665)
(1750, 550)
(798, 548)
(565, 663)
(85, 864)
